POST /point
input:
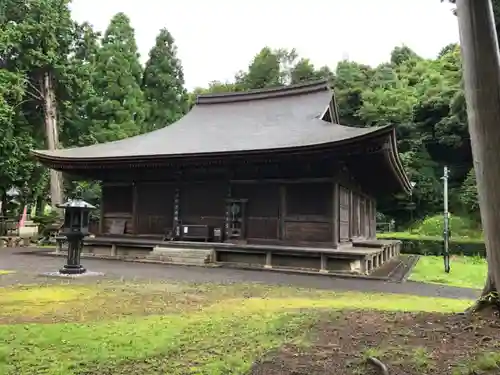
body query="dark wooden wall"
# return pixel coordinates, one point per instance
(323, 211)
(263, 209)
(203, 203)
(154, 207)
(308, 212)
(117, 204)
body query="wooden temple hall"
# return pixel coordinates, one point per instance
(264, 178)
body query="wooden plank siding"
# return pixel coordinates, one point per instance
(309, 213)
(324, 211)
(117, 204)
(263, 209)
(203, 203)
(154, 212)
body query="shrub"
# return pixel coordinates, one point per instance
(433, 245)
(45, 220)
(459, 226)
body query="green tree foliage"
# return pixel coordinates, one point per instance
(468, 195)
(15, 166)
(304, 71)
(36, 40)
(351, 79)
(265, 69)
(96, 82)
(76, 107)
(120, 109)
(400, 55)
(163, 84)
(279, 67)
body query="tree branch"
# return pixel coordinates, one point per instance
(35, 89)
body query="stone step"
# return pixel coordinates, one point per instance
(182, 256)
(187, 252)
(179, 256)
(162, 249)
(181, 253)
(180, 260)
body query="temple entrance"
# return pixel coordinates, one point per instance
(236, 219)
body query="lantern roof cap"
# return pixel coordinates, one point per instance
(76, 203)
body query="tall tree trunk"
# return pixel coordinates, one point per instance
(52, 135)
(481, 74)
(3, 204)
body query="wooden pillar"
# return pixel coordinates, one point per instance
(176, 229)
(227, 214)
(101, 209)
(282, 211)
(335, 215)
(363, 217)
(368, 217)
(374, 218)
(351, 214)
(135, 199)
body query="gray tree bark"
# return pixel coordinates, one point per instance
(481, 75)
(52, 136)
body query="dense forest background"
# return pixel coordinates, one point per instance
(103, 93)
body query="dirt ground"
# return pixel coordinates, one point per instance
(407, 343)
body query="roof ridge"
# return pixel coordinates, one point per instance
(265, 93)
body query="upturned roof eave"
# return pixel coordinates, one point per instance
(397, 165)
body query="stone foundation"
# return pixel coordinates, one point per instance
(359, 257)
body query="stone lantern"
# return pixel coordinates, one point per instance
(75, 227)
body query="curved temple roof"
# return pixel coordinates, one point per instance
(267, 119)
(234, 122)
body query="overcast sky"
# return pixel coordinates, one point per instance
(216, 38)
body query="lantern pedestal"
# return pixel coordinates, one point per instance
(75, 227)
(73, 266)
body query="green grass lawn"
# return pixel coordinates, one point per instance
(131, 328)
(464, 271)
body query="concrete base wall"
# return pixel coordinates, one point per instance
(351, 258)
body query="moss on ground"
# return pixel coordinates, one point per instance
(115, 328)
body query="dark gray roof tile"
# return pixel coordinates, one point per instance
(233, 122)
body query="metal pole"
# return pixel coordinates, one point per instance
(446, 221)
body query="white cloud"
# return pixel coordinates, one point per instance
(216, 38)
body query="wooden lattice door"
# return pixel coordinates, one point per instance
(344, 214)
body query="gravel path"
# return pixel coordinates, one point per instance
(29, 266)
